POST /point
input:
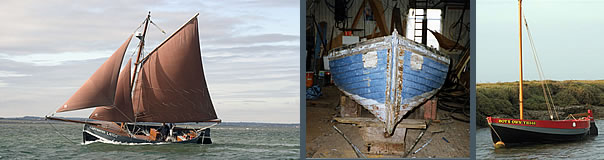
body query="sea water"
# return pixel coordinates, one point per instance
(41, 141)
(590, 148)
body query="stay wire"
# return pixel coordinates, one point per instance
(57, 130)
(546, 90)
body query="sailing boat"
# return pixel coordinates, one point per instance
(518, 131)
(167, 86)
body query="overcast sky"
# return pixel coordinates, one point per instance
(250, 51)
(567, 35)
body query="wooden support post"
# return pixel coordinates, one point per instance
(426, 111)
(430, 108)
(376, 143)
(349, 108)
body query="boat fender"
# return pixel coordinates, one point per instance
(574, 124)
(499, 144)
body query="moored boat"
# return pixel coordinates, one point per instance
(518, 131)
(512, 132)
(389, 76)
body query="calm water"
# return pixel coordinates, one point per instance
(591, 148)
(40, 141)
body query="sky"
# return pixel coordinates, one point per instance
(567, 37)
(250, 51)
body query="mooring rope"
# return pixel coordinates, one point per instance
(495, 132)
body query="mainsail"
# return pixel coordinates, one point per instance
(122, 110)
(171, 86)
(99, 89)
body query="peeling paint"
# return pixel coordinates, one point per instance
(370, 59)
(416, 61)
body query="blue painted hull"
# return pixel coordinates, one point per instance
(388, 75)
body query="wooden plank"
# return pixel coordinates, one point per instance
(317, 102)
(374, 35)
(378, 12)
(372, 122)
(359, 13)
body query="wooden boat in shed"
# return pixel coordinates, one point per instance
(167, 86)
(513, 132)
(388, 75)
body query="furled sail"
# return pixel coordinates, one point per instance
(171, 85)
(99, 89)
(121, 110)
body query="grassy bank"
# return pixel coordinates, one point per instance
(501, 99)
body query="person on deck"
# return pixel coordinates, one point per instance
(163, 130)
(169, 136)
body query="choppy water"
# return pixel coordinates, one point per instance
(40, 141)
(591, 148)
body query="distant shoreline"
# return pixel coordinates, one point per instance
(569, 96)
(38, 120)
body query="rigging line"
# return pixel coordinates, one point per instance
(539, 70)
(56, 130)
(546, 90)
(134, 51)
(162, 31)
(139, 26)
(128, 131)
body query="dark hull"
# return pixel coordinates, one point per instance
(510, 135)
(593, 129)
(94, 133)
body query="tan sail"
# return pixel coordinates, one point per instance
(445, 42)
(122, 110)
(171, 86)
(99, 89)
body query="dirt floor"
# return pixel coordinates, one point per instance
(322, 141)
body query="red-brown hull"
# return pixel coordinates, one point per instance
(515, 131)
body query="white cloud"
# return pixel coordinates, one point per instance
(4, 74)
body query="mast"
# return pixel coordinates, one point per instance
(140, 49)
(520, 36)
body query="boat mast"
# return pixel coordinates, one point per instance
(520, 36)
(140, 49)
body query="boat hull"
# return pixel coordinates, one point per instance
(516, 131)
(388, 75)
(110, 135)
